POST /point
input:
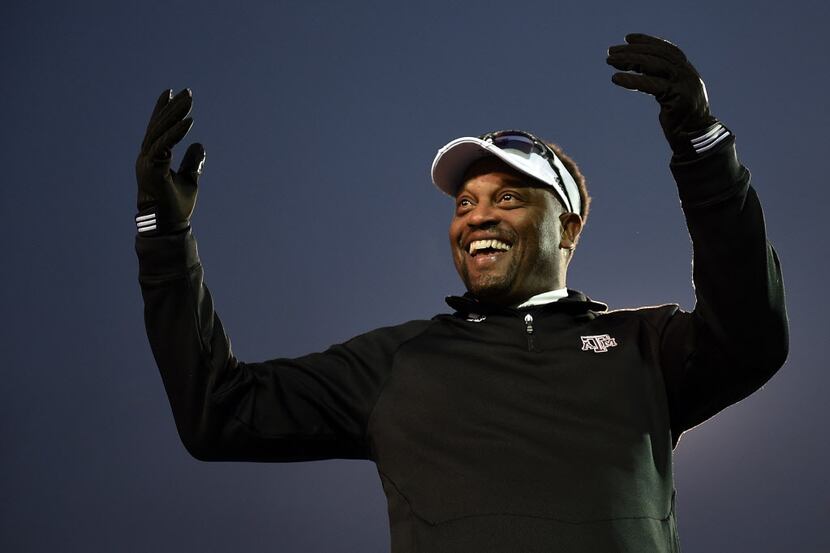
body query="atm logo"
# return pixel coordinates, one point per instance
(599, 343)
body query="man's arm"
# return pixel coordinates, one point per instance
(736, 338)
(313, 407)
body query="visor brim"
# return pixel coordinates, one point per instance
(453, 160)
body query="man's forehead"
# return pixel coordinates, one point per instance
(508, 175)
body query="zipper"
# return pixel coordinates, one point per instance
(529, 331)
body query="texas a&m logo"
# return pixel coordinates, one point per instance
(599, 343)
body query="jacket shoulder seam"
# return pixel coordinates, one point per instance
(382, 387)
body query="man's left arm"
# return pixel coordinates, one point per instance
(736, 338)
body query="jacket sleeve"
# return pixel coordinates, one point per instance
(736, 337)
(312, 407)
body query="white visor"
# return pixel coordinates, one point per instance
(452, 161)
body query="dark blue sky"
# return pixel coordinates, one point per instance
(317, 220)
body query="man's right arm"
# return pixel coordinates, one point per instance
(312, 407)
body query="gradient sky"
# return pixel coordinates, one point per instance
(317, 220)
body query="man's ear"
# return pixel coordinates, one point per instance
(571, 227)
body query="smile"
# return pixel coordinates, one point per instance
(487, 247)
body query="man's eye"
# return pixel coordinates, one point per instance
(464, 202)
(507, 197)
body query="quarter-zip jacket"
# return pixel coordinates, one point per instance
(493, 429)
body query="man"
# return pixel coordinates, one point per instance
(531, 419)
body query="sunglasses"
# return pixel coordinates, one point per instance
(518, 140)
(527, 144)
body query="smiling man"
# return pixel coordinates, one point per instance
(531, 418)
(511, 238)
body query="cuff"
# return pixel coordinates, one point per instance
(146, 222)
(166, 256)
(708, 138)
(712, 178)
(693, 145)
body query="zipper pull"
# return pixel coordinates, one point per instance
(529, 323)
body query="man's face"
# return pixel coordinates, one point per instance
(497, 202)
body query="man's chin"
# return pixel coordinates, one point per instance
(493, 290)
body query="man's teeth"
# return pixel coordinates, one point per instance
(477, 245)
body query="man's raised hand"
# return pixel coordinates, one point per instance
(166, 198)
(658, 67)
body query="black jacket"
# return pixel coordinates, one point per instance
(493, 430)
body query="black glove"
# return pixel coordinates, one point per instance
(166, 198)
(665, 73)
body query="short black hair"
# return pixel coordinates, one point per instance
(579, 178)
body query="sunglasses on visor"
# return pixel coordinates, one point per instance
(527, 144)
(518, 140)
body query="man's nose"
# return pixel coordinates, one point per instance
(483, 215)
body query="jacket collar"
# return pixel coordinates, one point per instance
(575, 302)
